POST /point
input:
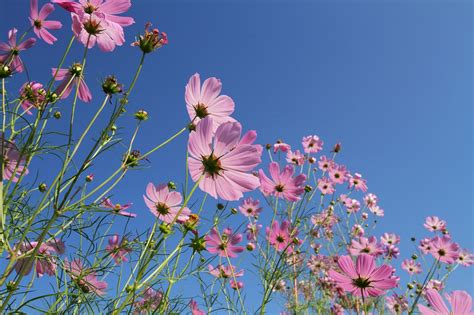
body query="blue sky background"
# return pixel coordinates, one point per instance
(391, 80)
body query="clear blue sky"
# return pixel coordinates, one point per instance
(391, 80)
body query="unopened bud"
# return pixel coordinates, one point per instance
(141, 115)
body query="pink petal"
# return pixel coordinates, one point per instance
(45, 11)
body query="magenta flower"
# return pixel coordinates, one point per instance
(338, 174)
(13, 161)
(32, 95)
(225, 272)
(296, 158)
(10, 52)
(165, 204)
(195, 308)
(445, 250)
(460, 301)
(118, 249)
(70, 78)
(85, 278)
(250, 207)
(282, 237)
(363, 278)
(281, 146)
(44, 263)
(434, 224)
(282, 185)
(39, 23)
(118, 208)
(222, 163)
(225, 245)
(357, 182)
(325, 164)
(205, 101)
(326, 186)
(465, 258)
(411, 266)
(312, 144)
(365, 245)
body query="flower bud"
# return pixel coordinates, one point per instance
(250, 246)
(42, 187)
(336, 148)
(233, 211)
(76, 69)
(5, 71)
(220, 206)
(57, 115)
(52, 97)
(89, 178)
(308, 188)
(198, 244)
(11, 286)
(111, 86)
(165, 228)
(171, 185)
(268, 146)
(141, 115)
(414, 257)
(151, 40)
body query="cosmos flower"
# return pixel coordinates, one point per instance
(445, 250)
(13, 160)
(225, 272)
(165, 204)
(434, 224)
(225, 245)
(357, 182)
(282, 236)
(85, 278)
(250, 207)
(370, 200)
(32, 95)
(118, 249)
(281, 146)
(195, 308)
(282, 185)
(365, 245)
(325, 164)
(312, 144)
(10, 51)
(39, 23)
(118, 208)
(460, 301)
(44, 263)
(338, 174)
(411, 266)
(295, 158)
(326, 186)
(69, 78)
(149, 302)
(222, 162)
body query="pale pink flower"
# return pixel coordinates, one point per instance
(44, 263)
(397, 304)
(236, 285)
(370, 200)
(85, 278)
(39, 23)
(282, 185)
(465, 258)
(70, 78)
(460, 302)
(312, 144)
(225, 272)
(411, 266)
(325, 164)
(225, 245)
(165, 204)
(32, 95)
(10, 51)
(338, 174)
(434, 224)
(390, 239)
(282, 236)
(352, 205)
(376, 210)
(445, 250)
(195, 308)
(363, 278)
(118, 249)
(391, 251)
(435, 284)
(357, 230)
(326, 186)
(149, 303)
(357, 182)
(221, 162)
(118, 208)
(205, 101)
(13, 160)
(252, 231)
(296, 158)
(317, 263)
(365, 246)
(281, 146)
(425, 245)
(250, 207)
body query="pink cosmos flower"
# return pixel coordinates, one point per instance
(70, 78)
(32, 95)
(118, 249)
(338, 174)
(391, 251)
(225, 245)
(434, 224)
(149, 303)
(326, 186)
(250, 207)
(390, 239)
(358, 182)
(465, 258)
(10, 52)
(85, 278)
(225, 272)
(296, 158)
(281, 146)
(445, 250)
(396, 304)
(205, 101)
(357, 230)
(39, 23)
(312, 144)
(460, 301)
(365, 245)
(236, 285)
(195, 308)
(282, 236)
(435, 284)
(370, 200)
(363, 278)
(44, 262)
(165, 204)
(411, 266)
(282, 185)
(252, 231)
(352, 205)
(425, 245)
(118, 208)
(222, 162)
(13, 161)
(376, 210)
(325, 164)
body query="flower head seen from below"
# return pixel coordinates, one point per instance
(10, 51)
(435, 224)
(12, 159)
(250, 207)
(118, 249)
(45, 263)
(225, 244)
(312, 144)
(411, 266)
(282, 185)
(85, 278)
(165, 204)
(282, 236)
(32, 95)
(149, 302)
(118, 208)
(195, 308)
(460, 301)
(363, 278)
(206, 101)
(225, 272)
(444, 249)
(365, 245)
(222, 163)
(40, 24)
(71, 78)
(151, 40)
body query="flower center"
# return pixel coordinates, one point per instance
(162, 208)
(212, 165)
(279, 188)
(249, 210)
(442, 252)
(280, 239)
(89, 8)
(365, 250)
(92, 27)
(37, 23)
(201, 110)
(361, 282)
